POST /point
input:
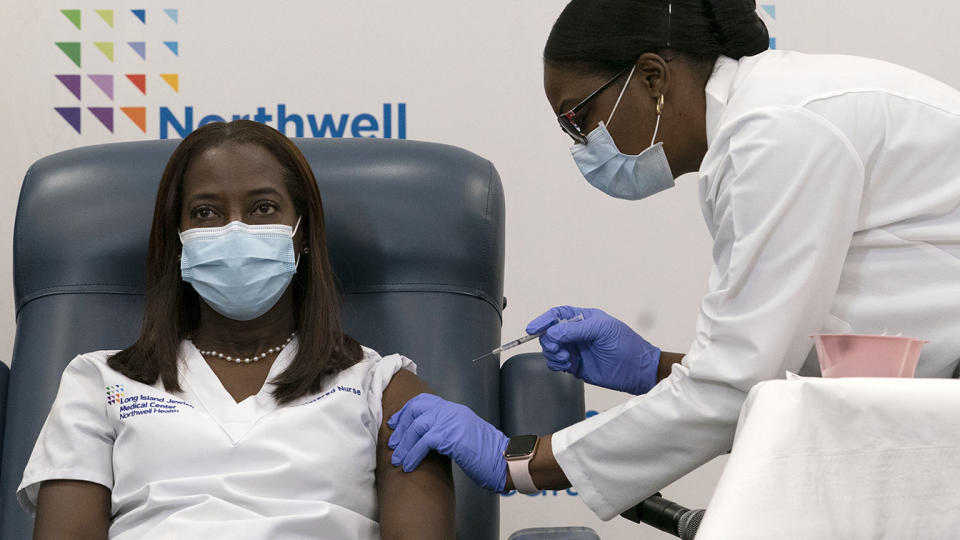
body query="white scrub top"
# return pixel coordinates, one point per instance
(197, 464)
(831, 186)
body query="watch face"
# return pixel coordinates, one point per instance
(520, 446)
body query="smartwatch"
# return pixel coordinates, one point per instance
(519, 452)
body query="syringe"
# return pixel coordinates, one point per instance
(520, 341)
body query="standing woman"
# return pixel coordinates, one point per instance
(830, 185)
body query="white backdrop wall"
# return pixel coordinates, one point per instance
(451, 71)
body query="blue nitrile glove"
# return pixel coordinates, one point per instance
(428, 422)
(600, 349)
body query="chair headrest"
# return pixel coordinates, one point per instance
(401, 216)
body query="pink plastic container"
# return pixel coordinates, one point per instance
(852, 355)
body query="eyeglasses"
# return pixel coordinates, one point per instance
(566, 120)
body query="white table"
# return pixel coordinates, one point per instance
(842, 458)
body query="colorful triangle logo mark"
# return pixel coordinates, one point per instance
(71, 49)
(173, 46)
(71, 115)
(104, 83)
(173, 14)
(137, 115)
(72, 82)
(139, 47)
(106, 47)
(172, 79)
(104, 115)
(139, 80)
(106, 15)
(140, 14)
(73, 15)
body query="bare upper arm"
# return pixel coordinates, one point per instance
(408, 501)
(72, 510)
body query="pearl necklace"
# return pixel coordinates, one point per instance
(254, 358)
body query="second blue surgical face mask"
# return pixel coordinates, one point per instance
(620, 175)
(239, 270)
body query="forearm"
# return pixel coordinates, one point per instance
(544, 469)
(667, 360)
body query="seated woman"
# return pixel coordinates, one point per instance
(242, 411)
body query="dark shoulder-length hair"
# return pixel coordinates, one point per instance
(172, 307)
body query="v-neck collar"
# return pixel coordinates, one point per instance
(235, 419)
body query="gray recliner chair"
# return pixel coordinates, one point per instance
(416, 236)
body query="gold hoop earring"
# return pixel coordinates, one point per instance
(660, 104)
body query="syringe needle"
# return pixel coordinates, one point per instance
(529, 337)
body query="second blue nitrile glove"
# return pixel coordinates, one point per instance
(427, 422)
(600, 349)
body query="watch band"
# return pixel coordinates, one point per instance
(520, 451)
(520, 474)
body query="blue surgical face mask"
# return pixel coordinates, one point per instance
(620, 175)
(239, 270)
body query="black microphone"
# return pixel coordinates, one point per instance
(667, 516)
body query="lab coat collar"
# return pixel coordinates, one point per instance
(718, 90)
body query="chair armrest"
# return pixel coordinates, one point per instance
(555, 533)
(535, 400)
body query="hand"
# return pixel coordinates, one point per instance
(600, 349)
(428, 422)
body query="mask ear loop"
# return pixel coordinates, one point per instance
(659, 112)
(622, 90)
(296, 263)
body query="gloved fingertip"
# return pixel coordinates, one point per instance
(549, 345)
(558, 366)
(566, 312)
(555, 333)
(536, 326)
(409, 465)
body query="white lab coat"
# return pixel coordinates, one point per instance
(831, 186)
(197, 464)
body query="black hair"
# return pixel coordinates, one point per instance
(605, 36)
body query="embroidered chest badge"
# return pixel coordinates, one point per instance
(114, 394)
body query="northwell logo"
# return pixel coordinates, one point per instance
(115, 394)
(297, 125)
(136, 51)
(129, 66)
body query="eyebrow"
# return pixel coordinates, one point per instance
(264, 191)
(208, 196)
(204, 196)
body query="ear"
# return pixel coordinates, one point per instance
(652, 73)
